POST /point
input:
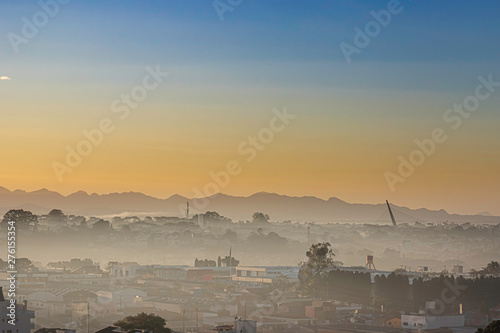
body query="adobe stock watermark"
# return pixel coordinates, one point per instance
(363, 37)
(454, 118)
(222, 6)
(121, 108)
(249, 149)
(31, 27)
(449, 294)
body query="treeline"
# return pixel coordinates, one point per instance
(56, 218)
(221, 262)
(396, 293)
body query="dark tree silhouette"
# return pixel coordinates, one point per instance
(492, 268)
(24, 219)
(101, 226)
(204, 263)
(150, 322)
(259, 217)
(57, 216)
(493, 327)
(313, 271)
(230, 261)
(230, 236)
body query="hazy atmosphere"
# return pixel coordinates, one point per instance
(249, 166)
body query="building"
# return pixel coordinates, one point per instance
(114, 329)
(95, 310)
(415, 322)
(86, 280)
(393, 322)
(10, 310)
(27, 280)
(45, 304)
(125, 297)
(320, 310)
(54, 330)
(200, 274)
(265, 274)
(245, 326)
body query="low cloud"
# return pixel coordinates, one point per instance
(5, 78)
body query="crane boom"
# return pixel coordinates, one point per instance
(392, 216)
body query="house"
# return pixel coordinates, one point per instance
(388, 320)
(200, 274)
(224, 328)
(265, 274)
(415, 322)
(95, 310)
(246, 326)
(320, 310)
(394, 322)
(114, 329)
(123, 297)
(23, 316)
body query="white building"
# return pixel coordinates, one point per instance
(414, 322)
(45, 304)
(265, 274)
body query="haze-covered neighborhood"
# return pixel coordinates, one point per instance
(206, 272)
(238, 166)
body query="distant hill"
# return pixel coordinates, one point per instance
(279, 207)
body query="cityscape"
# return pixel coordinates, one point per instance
(248, 166)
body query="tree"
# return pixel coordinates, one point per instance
(492, 268)
(126, 229)
(145, 321)
(57, 217)
(230, 261)
(314, 270)
(56, 214)
(283, 283)
(204, 263)
(270, 242)
(212, 217)
(24, 265)
(101, 226)
(259, 217)
(493, 327)
(230, 236)
(24, 219)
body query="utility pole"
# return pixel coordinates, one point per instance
(183, 319)
(230, 266)
(308, 235)
(197, 328)
(88, 317)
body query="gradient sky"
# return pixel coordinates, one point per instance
(353, 122)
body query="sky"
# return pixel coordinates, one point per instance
(227, 79)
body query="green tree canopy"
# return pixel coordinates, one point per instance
(314, 270)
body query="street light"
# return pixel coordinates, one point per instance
(235, 319)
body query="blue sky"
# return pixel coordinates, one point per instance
(229, 74)
(261, 32)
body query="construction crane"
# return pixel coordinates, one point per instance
(392, 215)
